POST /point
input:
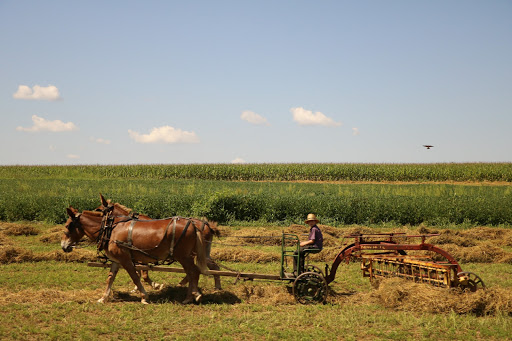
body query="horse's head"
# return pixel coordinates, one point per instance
(74, 231)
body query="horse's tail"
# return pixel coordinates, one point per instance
(201, 252)
(213, 227)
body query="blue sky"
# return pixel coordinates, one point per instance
(130, 82)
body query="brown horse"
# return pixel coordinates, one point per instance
(137, 241)
(206, 227)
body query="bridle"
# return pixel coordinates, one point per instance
(75, 224)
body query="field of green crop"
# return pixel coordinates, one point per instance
(43, 193)
(273, 172)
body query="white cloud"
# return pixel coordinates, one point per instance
(72, 156)
(238, 160)
(254, 118)
(165, 134)
(355, 131)
(99, 140)
(307, 118)
(48, 93)
(40, 124)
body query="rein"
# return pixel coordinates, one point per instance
(106, 227)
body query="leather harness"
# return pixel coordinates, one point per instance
(108, 225)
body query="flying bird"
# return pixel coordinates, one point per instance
(427, 146)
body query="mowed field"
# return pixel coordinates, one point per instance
(47, 294)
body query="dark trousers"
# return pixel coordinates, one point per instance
(302, 254)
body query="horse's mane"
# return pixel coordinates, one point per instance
(93, 213)
(124, 208)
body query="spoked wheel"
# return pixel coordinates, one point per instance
(470, 281)
(313, 268)
(310, 288)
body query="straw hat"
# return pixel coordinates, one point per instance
(311, 217)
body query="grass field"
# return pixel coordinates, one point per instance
(49, 295)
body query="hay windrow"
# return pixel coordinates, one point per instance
(243, 255)
(13, 254)
(252, 236)
(485, 252)
(14, 229)
(451, 238)
(52, 235)
(404, 295)
(78, 255)
(4, 240)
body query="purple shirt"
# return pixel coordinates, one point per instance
(316, 235)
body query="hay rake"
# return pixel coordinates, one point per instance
(381, 255)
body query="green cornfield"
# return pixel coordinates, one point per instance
(436, 194)
(459, 172)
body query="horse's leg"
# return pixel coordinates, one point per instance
(114, 268)
(213, 266)
(192, 272)
(135, 289)
(144, 274)
(130, 268)
(154, 285)
(184, 281)
(210, 263)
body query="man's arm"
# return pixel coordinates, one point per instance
(307, 242)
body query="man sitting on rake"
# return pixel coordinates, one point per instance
(314, 244)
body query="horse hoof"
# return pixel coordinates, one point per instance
(143, 301)
(101, 300)
(198, 298)
(188, 301)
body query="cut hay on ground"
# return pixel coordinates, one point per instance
(13, 254)
(14, 229)
(485, 252)
(48, 296)
(243, 255)
(53, 235)
(404, 295)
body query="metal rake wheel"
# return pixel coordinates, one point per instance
(470, 281)
(310, 288)
(313, 268)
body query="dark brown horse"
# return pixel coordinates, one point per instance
(137, 241)
(207, 228)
